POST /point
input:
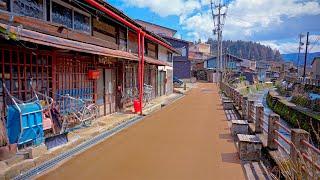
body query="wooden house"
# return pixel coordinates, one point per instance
(85, 48)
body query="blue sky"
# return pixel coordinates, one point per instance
(171, 21)
(275, 23)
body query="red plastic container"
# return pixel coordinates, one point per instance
(137, 106)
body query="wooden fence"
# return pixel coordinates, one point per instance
(294, 144)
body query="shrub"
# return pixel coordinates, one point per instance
(294, 117)
(281, 90)
(301, 101)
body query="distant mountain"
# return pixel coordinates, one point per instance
(293, 57)
(247, 50)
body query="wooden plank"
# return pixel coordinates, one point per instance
(249, 172)
(261, 170)
(104, 26)
(46, 27)
(105, 37)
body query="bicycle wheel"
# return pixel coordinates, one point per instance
(90, 113)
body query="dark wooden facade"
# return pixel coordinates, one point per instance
(57, 42)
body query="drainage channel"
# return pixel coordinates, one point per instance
(81, 148)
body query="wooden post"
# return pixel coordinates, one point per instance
(245, 107)
(250, 111)
(240, 101)
(272, 127)
(298, 135)
(259, 118)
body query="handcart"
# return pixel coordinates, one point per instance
(25, 118)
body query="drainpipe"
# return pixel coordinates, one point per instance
(125, 22)
(139, 66)
(142, 71)
(112, 14)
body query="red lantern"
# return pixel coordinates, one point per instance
(94, 74)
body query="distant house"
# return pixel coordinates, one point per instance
(198, 53)
(157, 29)
(181, 63)
(231, 63)
(167, 71)
(315, 68)
(207, 69)
(248, 65)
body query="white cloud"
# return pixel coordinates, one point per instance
(245, 18)
(284, 48)
(258, 15)
(292, 47)
(166, 7)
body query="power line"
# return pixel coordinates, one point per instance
(219, 17)
(299, 48)
(305, 56)
(314, 42)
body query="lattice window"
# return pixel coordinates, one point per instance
(18, 67)
(72, 78)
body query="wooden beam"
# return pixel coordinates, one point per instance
(46, 27)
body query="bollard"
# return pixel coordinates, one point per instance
(272, 126)
(245, 107)
(259, 118)
(297, 135)
(250, 111)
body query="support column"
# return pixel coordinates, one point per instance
(238, 98)
(297, 136)
(259, 118)
(272, 127)
(250, 111)
(240, 101)
(245, 107)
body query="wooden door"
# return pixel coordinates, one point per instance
(101, 93)
(110, 84)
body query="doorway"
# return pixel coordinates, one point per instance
(106, 91)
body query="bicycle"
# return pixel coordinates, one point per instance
(82, 111)
(147, 93)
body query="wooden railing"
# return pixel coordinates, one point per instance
(292, 143)
(301, 80)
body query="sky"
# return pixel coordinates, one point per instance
(275, 23)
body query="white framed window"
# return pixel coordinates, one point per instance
(184, 51)
(69, 16)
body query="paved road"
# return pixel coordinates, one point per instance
(189, 139)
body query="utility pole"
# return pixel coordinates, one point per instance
(300, 48)
(220, 18)
(305, 56)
